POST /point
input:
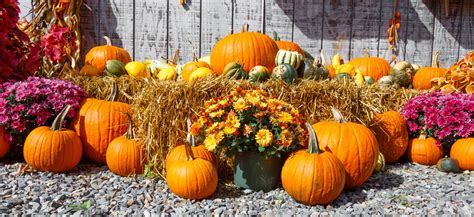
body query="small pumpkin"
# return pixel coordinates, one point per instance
(259, 74)
(424, 151)
(380, 166)
(90, 70)
(192, 178)
(387, 80)
(200, 73)
(313, 176)
(137, 70)
(167, 74)
(53, 149)
(354, 144)
(287, 45)
(115, 68)
(98, 122)
(190, 67)
(292, 58)
(4, 144)
(463, 151)
(448, 165)
(284, 72)
(236, 71)
(99, 55)
(125, 154)
(371, 66)
(422, 78)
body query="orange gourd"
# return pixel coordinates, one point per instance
(125, 155)
(371, 66)
(287, 45)
(247, 48)
(190, 67)
(53, 149)
(463, 151)
(354, 144)
(4, 144)
(422, 78)
(390, 129)
(313, 176)
(424, 151)
(98, 122)
(99, 55)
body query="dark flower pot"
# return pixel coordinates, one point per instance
(253, 171)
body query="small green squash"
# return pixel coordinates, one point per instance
(235, 70)
(259, 74)
(292, 58)
(369, 80)
(313, 69)
(115, 68)
(386, 80)
(448, 165)
(380, 165)
(342, 76)
(284, 72)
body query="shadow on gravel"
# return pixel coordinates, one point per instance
(383, 180)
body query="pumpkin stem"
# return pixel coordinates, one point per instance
(190, 138)
(366, 52)
(275, 36)
(108, 41)
(313, 140)
(435, 61)
(189, 151)
(113, 92)
(245, 27)
(129, 134)
(58, 121)
(338, 115)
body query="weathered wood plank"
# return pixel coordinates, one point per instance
(90, 25)
(184, 29)
(387, 13)
(365, 27)
(337, 27)
(447, 32)
(420, 32)
(116, 22)
(250, 12)
(279, 18)
(308, 24)
(150, 29)
(466, 39)
(216, 23)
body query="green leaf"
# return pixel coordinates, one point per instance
(261, 149)
(86, 204)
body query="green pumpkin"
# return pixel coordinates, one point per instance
(259, 74)
(292, 58)
(369, 80)
(234, 70)
(448, 165)
(380, 165)
(284, 72)
(313, 70)
(342, 76)
(115, 68)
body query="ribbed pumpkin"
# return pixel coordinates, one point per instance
(284, 72)
(235, 70)
(448, 165)
(354, 144)
(98, 122)
(463, 151)
(4, 144)
(422, 78)
(125, 154)
(192, 178)
(313, 176)
(287, 45)
(390, 128)
(99, 55)
(53, 149)
(248, 48)
(371, 66)
(424, 151)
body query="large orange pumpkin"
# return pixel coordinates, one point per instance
(313, 176)
(287, 45)
(354, 144)
(247, 48)
(4, 144)
(463, 151)
(424, 151)
(371, 66)
(53, 149)
(422, 78)
(125, 154)
(390, 128)
(99, 55)
(98, 122)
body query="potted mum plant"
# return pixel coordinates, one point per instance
(256, 129)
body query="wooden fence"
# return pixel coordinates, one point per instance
(152, 28)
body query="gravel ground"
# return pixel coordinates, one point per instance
(402, 189)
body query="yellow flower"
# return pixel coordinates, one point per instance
(212, 108)
(262, 105)
(216, 114)
(232, 123)
(286, 138)
(213, 140)
(247, 130)
(285, 117)
(240, 105)
(213, 128)
(264, 137)
(224, 102)
(252, 98)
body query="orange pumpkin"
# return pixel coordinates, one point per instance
(99, 55)
(371, 66)
(247, 48)
(463, 151)
(390, 128)
(422, 78)
(53, 149)
(98, 122)
(424, 151)
(125, 155)
(189, 68)
(4, 144)
(192, 178)
(354, 144)
(313, 176)
(90, 70)
(287, 45)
